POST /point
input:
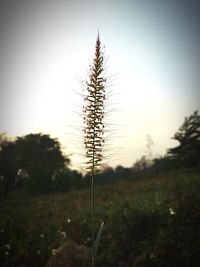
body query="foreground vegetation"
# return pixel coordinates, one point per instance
(152, 221)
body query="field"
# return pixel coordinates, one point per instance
(152, 221)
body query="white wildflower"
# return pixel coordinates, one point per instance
(63, 234)
(172, 211)
(54, 251)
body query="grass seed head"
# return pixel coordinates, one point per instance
(94, 111)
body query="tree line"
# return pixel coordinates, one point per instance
(36, 162)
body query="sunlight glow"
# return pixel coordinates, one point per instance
(48, 48)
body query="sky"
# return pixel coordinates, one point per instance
(153, 51)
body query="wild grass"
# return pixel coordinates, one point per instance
(94, 112)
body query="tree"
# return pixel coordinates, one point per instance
(187, 153)
(142, 163)
(163, 164)
(8, 164)
(36, 162)
(41, 158)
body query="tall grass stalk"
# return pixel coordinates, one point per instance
(94, 111)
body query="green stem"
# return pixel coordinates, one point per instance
(92, 193)
(93, 214)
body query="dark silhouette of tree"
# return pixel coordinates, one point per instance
(142, 163)
(121, 172)
(35, 160)
(163, 164)
(41, 158)
(187, 153)
(8, 164)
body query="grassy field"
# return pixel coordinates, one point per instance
(148, 222)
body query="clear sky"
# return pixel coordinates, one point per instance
(153, 47)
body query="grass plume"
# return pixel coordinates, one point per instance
(94, 111)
